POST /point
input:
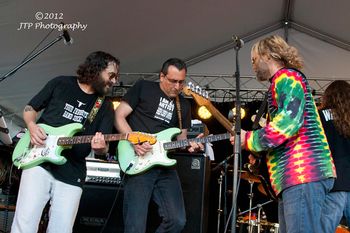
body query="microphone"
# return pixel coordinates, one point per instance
(66, 37)
(248, 166)
(237, 42)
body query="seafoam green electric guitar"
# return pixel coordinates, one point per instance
(132, 164)
(25, 155)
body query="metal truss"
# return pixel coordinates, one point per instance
(221, 87)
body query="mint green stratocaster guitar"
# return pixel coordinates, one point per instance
(59, 138)
(132, 164)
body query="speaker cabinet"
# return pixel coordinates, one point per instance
(194, 173)
(95, 205)
(97, 200)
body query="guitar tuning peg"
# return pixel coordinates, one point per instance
(206, 94)
(198, 89)
(191, 86)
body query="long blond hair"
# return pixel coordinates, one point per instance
(337, 98)
(277, 48)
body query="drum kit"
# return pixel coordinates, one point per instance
(248, 221)
(256, 224)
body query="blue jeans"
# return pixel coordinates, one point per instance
(164, 187)
(300, 207)
(337, 204)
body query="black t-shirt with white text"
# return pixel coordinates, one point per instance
(63, 102)
(340, 148)
(153, 111)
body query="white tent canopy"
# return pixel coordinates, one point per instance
(145, 33)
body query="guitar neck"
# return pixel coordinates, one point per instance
(186, 142)
(223, 120)
(65, 141)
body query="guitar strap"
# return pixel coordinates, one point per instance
(178, 109)
(94, 110)
(256, 126)
(260, 112)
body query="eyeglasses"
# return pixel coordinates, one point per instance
(174, 82)
(113, 75)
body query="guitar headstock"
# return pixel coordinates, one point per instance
(138, 137)
(199, 95)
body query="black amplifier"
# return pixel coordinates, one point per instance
(102, 172)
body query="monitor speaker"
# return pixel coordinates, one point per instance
(194, 173)
(95, 205)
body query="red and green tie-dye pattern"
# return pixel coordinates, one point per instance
(297, 146)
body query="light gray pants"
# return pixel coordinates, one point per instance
(36, 188)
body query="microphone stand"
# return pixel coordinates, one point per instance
(14, 70)
(222, 163)
(237, 143)
(223, 177)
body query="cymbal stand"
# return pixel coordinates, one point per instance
(226, 193)
(250, 195)
(259, 206)
(259, 217)
(219, 204)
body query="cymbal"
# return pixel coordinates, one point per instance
(245, 175)
(261, 189)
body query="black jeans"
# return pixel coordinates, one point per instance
(164, 187)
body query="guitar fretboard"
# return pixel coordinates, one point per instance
(64, 141)
(186, 142)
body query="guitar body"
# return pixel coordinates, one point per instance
(157, 156)
(26, 156)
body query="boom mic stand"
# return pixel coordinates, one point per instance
(238, 43)
(14, 70)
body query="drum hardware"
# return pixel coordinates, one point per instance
(251, 178)
(246, 175)
(222, 181)
(250, 195)
(263, 185)
(223, 166)
(258, 222)
(219, 204)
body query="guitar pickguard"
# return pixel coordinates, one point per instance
(47, 152)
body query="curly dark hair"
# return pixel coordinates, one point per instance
(337, 98)
(93, 65)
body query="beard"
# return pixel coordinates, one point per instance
(263, 75)
(262, 72)
(101, 87)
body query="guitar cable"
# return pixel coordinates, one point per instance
(116, 197)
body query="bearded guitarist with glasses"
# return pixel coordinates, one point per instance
(65, 101)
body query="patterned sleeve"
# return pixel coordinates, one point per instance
(286, 115)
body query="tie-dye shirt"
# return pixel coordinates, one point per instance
(294, 137)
